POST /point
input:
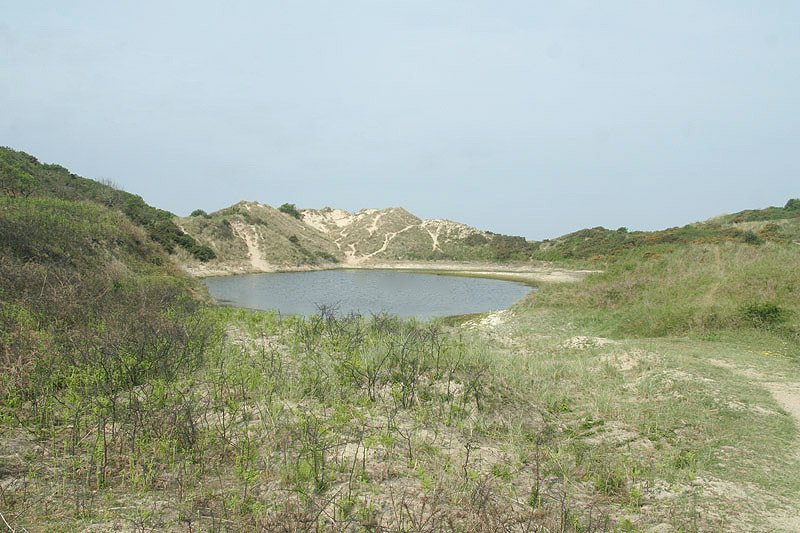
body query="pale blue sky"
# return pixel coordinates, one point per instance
(520, 117)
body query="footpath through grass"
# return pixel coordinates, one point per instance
(693, 429)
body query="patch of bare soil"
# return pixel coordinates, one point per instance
(250, 236)
(630, 360)
(788, 397)
(582, 342)
(525, 273)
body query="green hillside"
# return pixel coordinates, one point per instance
(93, 315)
(772, 224)
(700, 288)
(22, 175)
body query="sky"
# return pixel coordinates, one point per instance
(530, 118)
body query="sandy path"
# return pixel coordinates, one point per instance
(386, 240)
(434, 236)
(251, 239)
(788, 397)
(519, 272)
(374, 227)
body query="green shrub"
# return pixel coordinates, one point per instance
(763, 315)
(203, 253)
(325, 256)
(290, 209)
(750, 238)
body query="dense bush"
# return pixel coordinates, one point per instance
(764, 314)
(789, 210)
(290, 210)
(14, 180)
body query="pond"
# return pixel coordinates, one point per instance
(367, 292)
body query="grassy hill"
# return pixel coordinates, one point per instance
(600, 245)
(81, 263)
(250, 232)
(731, 272)
(22, 175)
(699, 288)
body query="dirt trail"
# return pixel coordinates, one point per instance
(788, 397)
(386, 240)
(251, 239)
(786, 394)
(434, 236)
(374, 227)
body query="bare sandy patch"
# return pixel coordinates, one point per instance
(250, 236)
(524, 273)
(630, 360)
(490, 321)
(582, 342)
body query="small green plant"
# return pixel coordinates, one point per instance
(686, 459)
(635, 497)
(501, 471)
(608, 481)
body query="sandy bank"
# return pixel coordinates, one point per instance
(515, 272)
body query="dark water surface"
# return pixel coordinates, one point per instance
(366, 292)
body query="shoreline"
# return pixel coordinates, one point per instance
(524, 273)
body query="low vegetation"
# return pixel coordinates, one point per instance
(697, 288)
(352, 423)
(603, 246)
